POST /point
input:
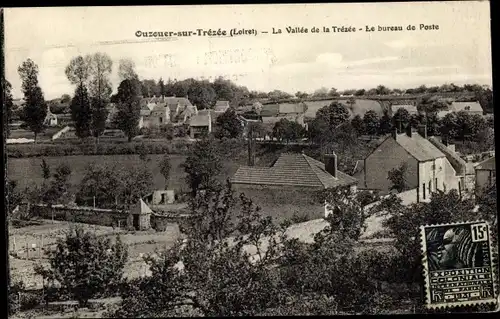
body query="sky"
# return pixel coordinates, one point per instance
(458, 52)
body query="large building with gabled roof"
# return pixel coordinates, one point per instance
(294, 179)
(430, 165)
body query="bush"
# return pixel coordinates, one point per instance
(86, 265)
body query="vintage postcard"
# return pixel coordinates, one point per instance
(249, 160)
(458, 263)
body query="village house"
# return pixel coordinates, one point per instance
(50, 118)
(293, 179)
(430, 165)
(273, 113)
(200, 123)
(221, 106)
(472, 108)
(485, 174)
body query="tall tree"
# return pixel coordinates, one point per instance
(99, 117)
(35, 108)
(385, 125)
(202, 165)
(333, 115)
(401, 119)
(78, 70)
(358, 124)
(165, 167)
(371, 121)
(228, 125)
(100, 70)
(163, 89)
(100, 67)
(8, 106)
(81, 114)
(127, 118)
(126, 70)
(202, 94)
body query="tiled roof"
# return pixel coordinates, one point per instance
(200, 119)
(177, 100)
(292, 170)
(466, 106)
(221, 106)
(159, 107)
(419, 147)
(455, 160)
(488, 164)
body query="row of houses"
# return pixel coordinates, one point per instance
(431, 166)
(158, 111)
(297, 112)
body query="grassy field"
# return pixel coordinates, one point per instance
(27, 171)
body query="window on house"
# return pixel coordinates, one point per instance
(436, 183)
(429, 185)
(423, 189)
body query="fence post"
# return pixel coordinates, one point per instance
(41, 244)
(118, 224)
(27, 250)
(14, 243)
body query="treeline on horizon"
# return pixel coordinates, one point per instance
(204, 93)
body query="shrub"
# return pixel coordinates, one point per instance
(86, 265)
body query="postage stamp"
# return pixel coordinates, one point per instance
(458, 264)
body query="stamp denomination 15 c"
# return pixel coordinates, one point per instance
(458, 264)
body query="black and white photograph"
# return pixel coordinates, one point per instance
(249, 160)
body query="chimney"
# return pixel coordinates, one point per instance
(331, 164)
(394, 133)
(408, 130)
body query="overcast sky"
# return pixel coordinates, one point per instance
(459, 52)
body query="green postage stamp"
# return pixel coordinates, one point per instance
(458, 264)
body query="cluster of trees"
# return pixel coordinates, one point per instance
(202, 93)
(34, 111)
(212, 272)
(454, 126)
(480, 92)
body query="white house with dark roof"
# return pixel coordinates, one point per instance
(428, 167)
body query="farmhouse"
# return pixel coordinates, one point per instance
(272, 113)
(293, 179)
(485, 174)
(200, 124)
(472, 108)
(430, 165)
